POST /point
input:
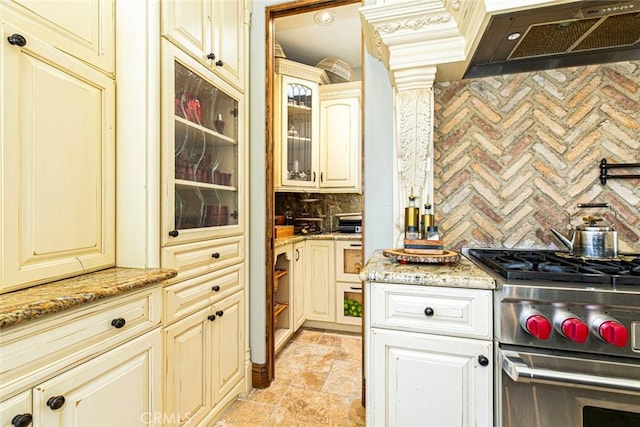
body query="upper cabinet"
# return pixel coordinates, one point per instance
(83, 29)
(340, 136)
(317, 131)
(203, 131)
(57, 153)
(212, 32)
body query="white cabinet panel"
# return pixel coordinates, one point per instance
(120, 387)
(58, 165)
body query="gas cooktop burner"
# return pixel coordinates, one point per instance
(559, 266)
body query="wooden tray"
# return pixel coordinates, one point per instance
(403, 257)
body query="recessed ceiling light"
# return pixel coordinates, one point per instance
(513, 36)
(324, 17)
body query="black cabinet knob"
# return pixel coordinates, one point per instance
(17, 40)
(216, 288)
(174, 233)
(483, 361)
(428, 311)
(22, 420)
(219, 63)
(55, 402)
(211, 56)
(215, 255)
(219, 313)
(211, 317)
(118, 323)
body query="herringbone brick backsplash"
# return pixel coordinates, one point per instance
(514, 155)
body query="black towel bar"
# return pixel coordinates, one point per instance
(604, 171)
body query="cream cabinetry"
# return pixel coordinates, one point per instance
(85, 31)
(70, 369)
(203, 152)
(428, 355)
(203, 204)
(205, 356)
(298, 284)
(320, 280)
(58, 145)
(349, 298)
(212, 32)
(316, 131)
(340, 137)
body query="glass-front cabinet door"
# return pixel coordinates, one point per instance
(299, 132)
(202, 171)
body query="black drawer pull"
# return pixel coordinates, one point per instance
(219, 313)
(17, 40)
(211, 317)
(482, 360)
(355, 288)
(118, 323)
(215, 288)
(211, 56)
(55, 402)
(174, 233)
(215, 255)
(219, 63)
(22, 420)
(428, 311)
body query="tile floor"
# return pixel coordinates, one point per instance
(318, 382)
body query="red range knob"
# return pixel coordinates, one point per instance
(538, 326)
(575, 329)
(614, 333)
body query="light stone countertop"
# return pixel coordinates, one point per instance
(21, 306)
(324, 236)
(462, 274)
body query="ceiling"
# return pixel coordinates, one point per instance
(305, 41)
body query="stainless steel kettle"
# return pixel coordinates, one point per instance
(590, 240)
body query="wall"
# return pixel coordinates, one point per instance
(514, 154)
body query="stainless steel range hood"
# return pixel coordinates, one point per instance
(571, 34)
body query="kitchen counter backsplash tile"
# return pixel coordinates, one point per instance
(514, 154)
(50, 298)
(463, 274)
(327, 204)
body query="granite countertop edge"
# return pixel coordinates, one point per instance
(325, 236)
(21, 306)
(461, 274)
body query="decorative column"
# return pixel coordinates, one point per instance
(417, 39)
(413, 110)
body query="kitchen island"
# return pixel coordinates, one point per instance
(461, 274)
(428, 333)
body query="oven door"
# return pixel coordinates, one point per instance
(548, 389)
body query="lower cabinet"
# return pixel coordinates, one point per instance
(428, 356)
(97, 365)
(320, 281)
(298, 280)
(204, 362)
(118, 388)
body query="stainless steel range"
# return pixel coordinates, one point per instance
(568, 338)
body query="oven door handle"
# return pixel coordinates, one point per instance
(519, 371)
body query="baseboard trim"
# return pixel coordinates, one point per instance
(260, 375)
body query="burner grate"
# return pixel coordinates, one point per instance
(554, 266)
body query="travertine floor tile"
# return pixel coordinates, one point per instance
(318, 383)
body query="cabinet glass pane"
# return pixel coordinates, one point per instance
(352, 261)
(352, 303)
(299, 136)
(206, 153)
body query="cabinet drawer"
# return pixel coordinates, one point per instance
(196, 259)
(20, 404)
(42, 347)
(444, 311)
(193, 294)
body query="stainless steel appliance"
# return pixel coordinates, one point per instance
(568, 338)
